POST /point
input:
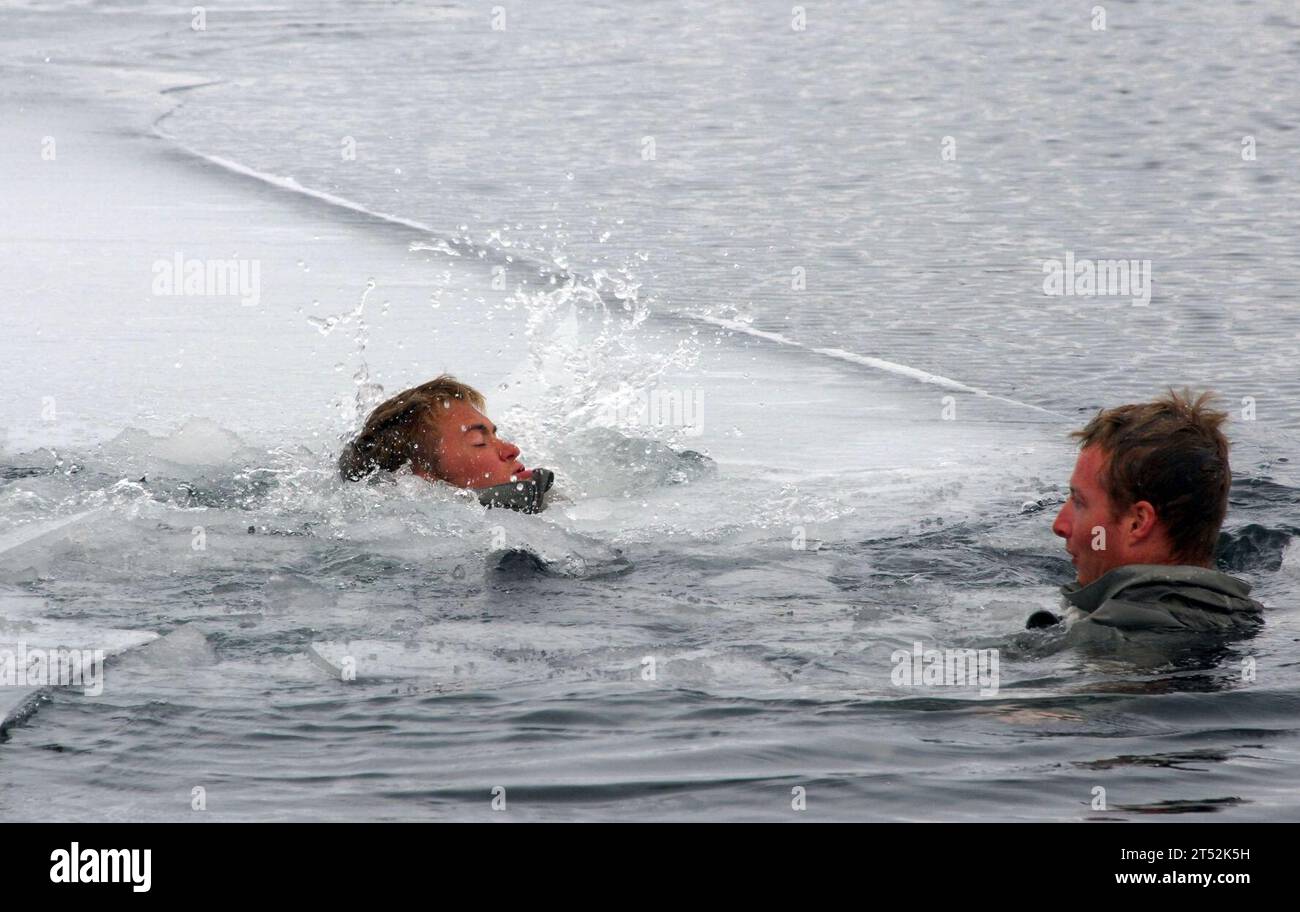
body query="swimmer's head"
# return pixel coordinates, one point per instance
(439, 429)
(1150, 486)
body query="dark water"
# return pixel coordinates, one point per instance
(773, 671)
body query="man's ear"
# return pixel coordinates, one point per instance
(1141, 521)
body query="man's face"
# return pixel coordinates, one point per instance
(469, 453)
(1088, 522)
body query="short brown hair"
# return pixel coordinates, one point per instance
(1172, 454)
(392, 435)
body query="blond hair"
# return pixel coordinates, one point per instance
(1173, 454)
(397, 429)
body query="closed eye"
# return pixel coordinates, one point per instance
(482, 429)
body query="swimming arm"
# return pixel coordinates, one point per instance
(527, 495)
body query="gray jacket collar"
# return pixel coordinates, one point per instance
(1092, 596)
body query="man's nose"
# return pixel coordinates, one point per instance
(508, 451)
(1061, 526)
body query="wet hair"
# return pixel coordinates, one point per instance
(396, 429)
(1172, 454)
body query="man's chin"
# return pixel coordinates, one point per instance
(1081, 577)
(1084, 578)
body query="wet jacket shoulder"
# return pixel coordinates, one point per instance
(1165, 597)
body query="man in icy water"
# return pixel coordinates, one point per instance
(1147, 497)
(439, 429)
